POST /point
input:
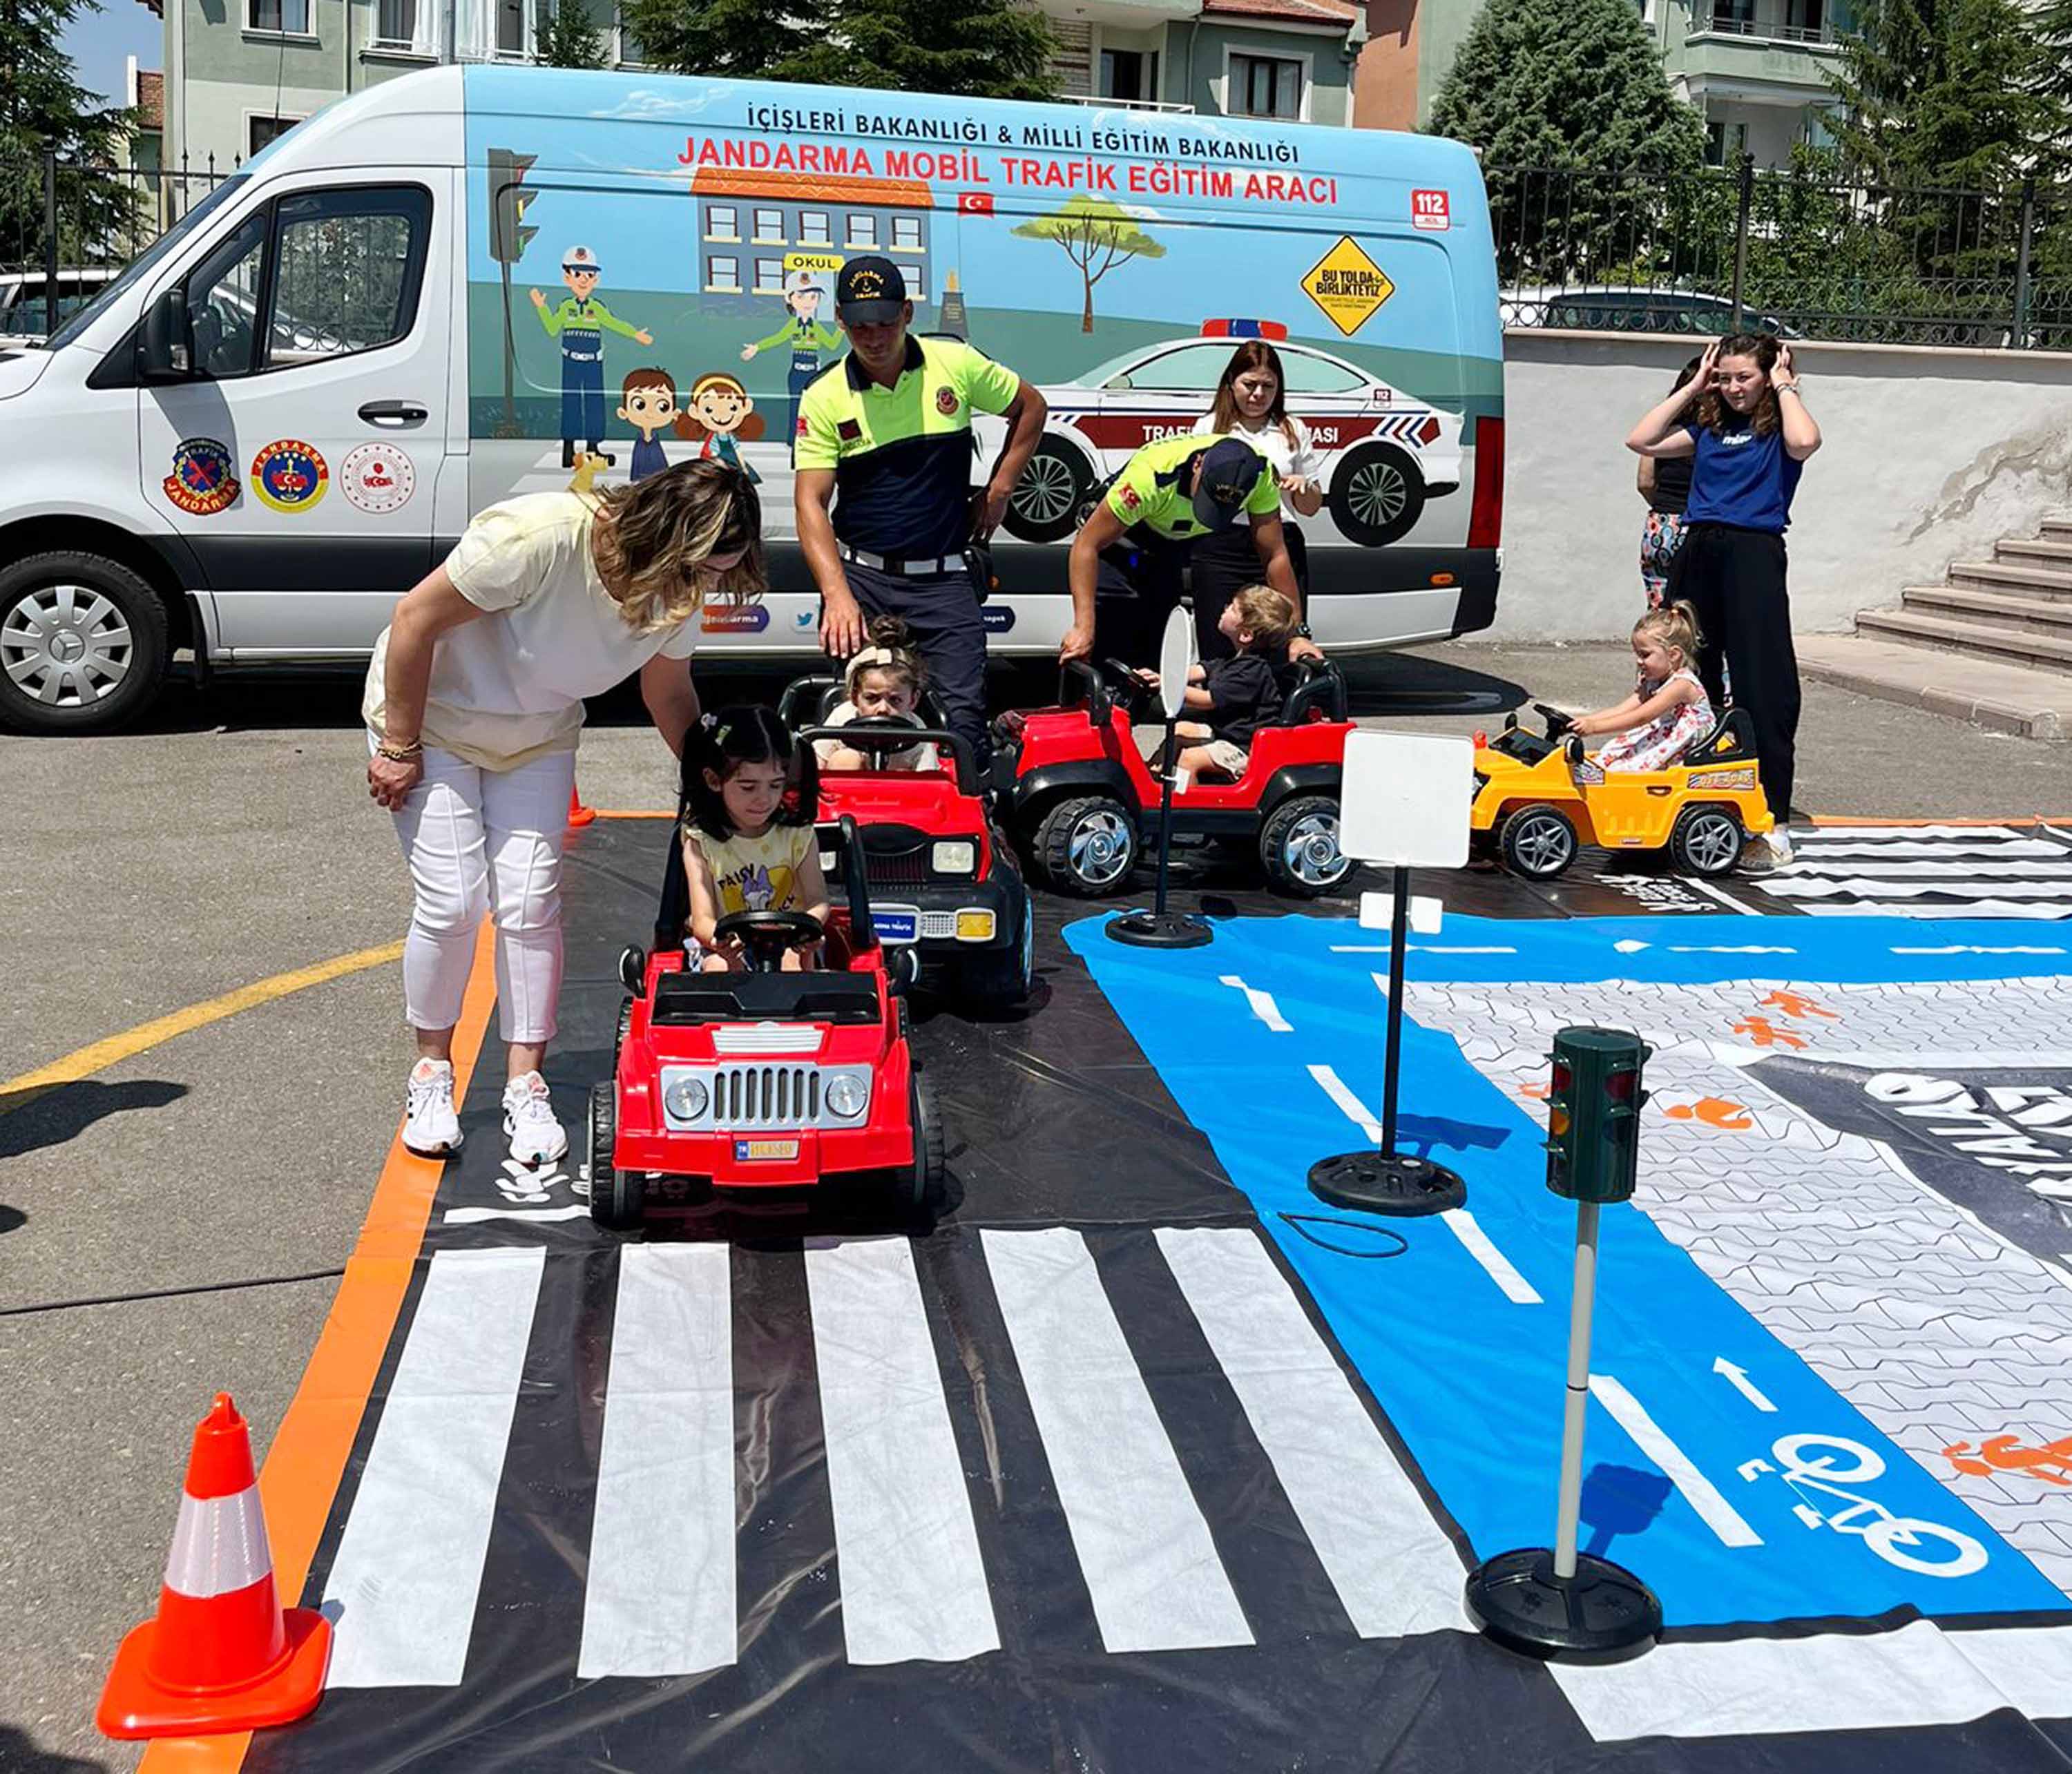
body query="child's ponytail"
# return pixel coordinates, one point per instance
(893, 650)
(1675, 626)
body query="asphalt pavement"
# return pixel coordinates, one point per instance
(173, 1225)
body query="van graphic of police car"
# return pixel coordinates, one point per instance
(1381, 455)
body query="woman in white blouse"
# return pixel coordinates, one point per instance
(1251, 404)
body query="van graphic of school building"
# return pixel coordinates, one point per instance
(748, 221)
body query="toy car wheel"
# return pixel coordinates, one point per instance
(1298, 847)
(1706, 841)
(1537, 842)
(1377, 495)
(625, 1029)
(616, 1197)
(1001, 977)
(920, 1184)
(1045, 504)
(1086, 846)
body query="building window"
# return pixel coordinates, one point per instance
(1131, 74)
(1265, 86)
(722, 222)
(290, 16)
(916, 276)
(723, 274)
(769, 276)
(511, 23)
(1725, 143)
(862, 230)
(770, 224)
(259, 131)
(906, 233)
(1806, 21)
(629, 54)
(1737, 16)
(395, 23)
(813, 229)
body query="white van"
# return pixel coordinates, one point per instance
(445, 289)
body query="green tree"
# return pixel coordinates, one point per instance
(43, 107)
(972, 48)
(1096, 236)
(568, 36)
(1568, 84)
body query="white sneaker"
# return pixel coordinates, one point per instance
(536, 1137)
(431, 1128)
(1766, 855)
(1780, 848)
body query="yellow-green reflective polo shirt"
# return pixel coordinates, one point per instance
(903, 455)
(1147, 495)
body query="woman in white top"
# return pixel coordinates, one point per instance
(473, 706)
(1251, 405)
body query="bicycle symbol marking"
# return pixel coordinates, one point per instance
(1818, 1466)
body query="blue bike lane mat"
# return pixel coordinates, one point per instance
(1461, 1336)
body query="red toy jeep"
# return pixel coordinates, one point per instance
(1081, 799)
(764, 1080)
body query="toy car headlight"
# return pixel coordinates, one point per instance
(685, 1098)
(848, 1095)
(954, 856)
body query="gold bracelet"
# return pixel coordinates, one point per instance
(400, 754)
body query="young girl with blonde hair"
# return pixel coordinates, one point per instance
(1668, 711)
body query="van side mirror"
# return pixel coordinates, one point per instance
(165, 342)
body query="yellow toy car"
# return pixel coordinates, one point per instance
(1537, 798)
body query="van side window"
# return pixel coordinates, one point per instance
(333, 272)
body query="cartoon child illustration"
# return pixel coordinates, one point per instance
(647, 402)
(805, 335)
(721, 414)
(580, 322)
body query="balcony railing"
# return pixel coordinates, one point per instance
(1108, 104)
(1773, 29)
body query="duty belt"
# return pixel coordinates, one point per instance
(905, 567)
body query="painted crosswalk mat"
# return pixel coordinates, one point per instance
(1139, 1458)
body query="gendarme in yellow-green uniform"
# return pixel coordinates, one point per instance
(1149, 495)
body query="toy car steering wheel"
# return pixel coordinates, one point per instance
(767, 936)
(876, 735)
(1133, 689)
(1557, 723)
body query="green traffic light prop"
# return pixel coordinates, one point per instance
(1555, 1602)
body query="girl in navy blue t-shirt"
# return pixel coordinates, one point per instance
(1748, 439)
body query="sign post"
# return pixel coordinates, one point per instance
(1547, 1602)
(1159, 928)
(1403, 804)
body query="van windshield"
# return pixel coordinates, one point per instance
(142, 265)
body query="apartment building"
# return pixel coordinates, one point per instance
(1754, 69)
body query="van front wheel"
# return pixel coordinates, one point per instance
(83, 644)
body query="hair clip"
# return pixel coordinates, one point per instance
(707, 721)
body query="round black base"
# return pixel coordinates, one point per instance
(1160, 930)
(1602, 1609)
(1378, 1183)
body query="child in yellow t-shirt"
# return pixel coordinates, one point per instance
(747, 823)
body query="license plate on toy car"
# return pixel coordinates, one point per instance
(747, 1151)
(899, 925)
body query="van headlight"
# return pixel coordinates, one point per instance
(954, 856)
(685, 1098)
(848, 1095)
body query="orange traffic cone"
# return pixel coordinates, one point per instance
(578, 814)
(221, 1656)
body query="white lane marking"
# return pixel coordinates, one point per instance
(1968, 907)
(1149, 1562)
(1918, 1675)
(1902, 840)
(476, 1216)
(1699, 1491)
(1725, 898)
(1395, 1570)
(660, 1597)
(1982, 888)
(1975, 948)
(1360, 948)
(1476, 1242)
(408, 1568)
(2000, 868)
(1341, 1093)
(1737, 1378)
(1263, 1006)
(913, 1585)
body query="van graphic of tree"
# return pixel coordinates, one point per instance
(1097, 236)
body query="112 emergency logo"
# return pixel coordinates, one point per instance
(289, 475)
(204, 478)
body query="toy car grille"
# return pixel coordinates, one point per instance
(935, 924)
(910, 869)
(766, 1096)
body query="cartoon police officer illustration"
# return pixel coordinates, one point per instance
(806, 336)
(580, 323)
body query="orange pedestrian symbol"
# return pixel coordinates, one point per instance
(2052, 1462)
(1760, 1030)
(1711, 1111)
(1793, 1003)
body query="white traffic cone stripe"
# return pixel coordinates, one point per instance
(219, 1546)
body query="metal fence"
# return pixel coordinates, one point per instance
(1793, 252)
(1700, 253)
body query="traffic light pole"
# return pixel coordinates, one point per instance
(1568, 1510)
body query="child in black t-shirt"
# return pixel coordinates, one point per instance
(1239, 695)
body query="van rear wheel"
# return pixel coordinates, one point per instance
(83, 644)
(1377, 495)
(1045, 504)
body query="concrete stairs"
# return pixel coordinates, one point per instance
(1992, 644)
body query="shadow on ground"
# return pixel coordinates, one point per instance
(48, 1115)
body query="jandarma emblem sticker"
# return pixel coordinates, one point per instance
(289, 475)
(205, 476)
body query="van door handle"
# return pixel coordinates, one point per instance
(393, 415)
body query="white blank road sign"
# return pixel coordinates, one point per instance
(1406, 797)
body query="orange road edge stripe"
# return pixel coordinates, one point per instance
(306, 1460)
(636, 813)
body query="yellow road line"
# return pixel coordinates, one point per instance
(16, 1092)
